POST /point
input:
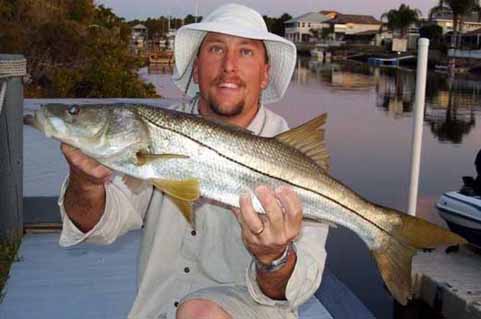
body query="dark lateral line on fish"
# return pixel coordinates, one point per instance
(281, 179)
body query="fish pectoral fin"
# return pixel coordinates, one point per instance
(146, 157)
(185, 208)
(136, 185)
(309, 140)
(186, 190)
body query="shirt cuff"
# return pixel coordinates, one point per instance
(304, 281)
(113, 223)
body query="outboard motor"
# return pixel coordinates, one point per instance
(472, 186)
(477, 181)
(468, 188)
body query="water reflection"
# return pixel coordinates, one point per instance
(351, 77)
(451, 104)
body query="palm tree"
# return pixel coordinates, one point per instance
(401, 19)
(459, 9)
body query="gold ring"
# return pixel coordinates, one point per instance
(257, 233)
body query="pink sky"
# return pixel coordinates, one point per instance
(152, 8)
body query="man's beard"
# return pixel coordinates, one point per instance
(227, 111)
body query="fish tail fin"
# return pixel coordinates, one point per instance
(396, 248)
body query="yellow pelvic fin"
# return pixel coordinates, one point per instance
(309, 140)
(145, 157)
(186, 209)
(186, 190)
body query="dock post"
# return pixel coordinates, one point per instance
(12, 70)
(421, 76)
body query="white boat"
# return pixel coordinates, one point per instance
(462, 213)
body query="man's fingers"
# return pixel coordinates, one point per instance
(86, 166)
(271, 206)
(292, 206)
(248, 216)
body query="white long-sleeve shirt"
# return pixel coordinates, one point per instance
(176, 260)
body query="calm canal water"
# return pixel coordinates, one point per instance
(369, 140)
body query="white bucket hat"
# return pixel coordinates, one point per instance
(240, 21)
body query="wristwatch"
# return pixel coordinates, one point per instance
(278, 263)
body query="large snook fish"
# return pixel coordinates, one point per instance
(187, 156)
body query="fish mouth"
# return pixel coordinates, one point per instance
(29, 120)
(38, 121)
(33, 121)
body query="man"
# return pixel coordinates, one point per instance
(235, 264)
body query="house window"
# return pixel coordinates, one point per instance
(298, 24)
(303, 24)
(309, 25)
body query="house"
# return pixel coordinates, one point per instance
(139, 34)
(351, 24)
(472, 39)
(445, 20)
(304, 27)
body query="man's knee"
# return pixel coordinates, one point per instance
(201, 309)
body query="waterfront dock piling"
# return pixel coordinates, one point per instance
(12, 70)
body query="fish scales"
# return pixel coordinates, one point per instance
(270, 158)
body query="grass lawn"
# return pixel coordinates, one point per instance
(8, 251)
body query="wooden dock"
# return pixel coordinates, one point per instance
(450, 283)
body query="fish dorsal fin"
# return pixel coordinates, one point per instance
(186, 190)
(309, 140)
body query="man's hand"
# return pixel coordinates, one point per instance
(85, 169)
(84, 199)
(267, 236)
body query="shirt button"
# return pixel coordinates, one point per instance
(193, 233)
(186, 270)
(176, 304)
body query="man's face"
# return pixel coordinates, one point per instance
(231, 73)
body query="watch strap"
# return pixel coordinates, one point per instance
(277, 263)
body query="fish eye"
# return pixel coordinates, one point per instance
(74, 110)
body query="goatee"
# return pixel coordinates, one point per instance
(227, 111)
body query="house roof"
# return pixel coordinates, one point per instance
(139, 26)
(447, 15)
(330, 13)
(313, 17)
(367, 32)
(354, 18)
(473, 32)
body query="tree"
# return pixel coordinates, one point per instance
(433, 32)
(401, 19)
(73, 48)
(189, 19)
(276, 25)
(458, 9)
